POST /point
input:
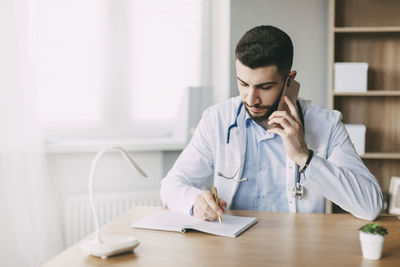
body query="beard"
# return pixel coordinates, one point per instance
(270, 109)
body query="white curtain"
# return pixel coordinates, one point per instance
(29, 227)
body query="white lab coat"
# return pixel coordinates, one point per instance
(336, 172)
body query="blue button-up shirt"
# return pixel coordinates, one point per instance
(264, 166)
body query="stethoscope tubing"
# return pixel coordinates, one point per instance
(235, 125)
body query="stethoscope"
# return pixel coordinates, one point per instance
(297, 191)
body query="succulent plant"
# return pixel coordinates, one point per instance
(374, 228)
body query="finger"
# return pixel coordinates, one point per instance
(277, 131)
(199, 212)
(289, 129)
(213, 204)
(279, 113)
(211, 215)
(222, 204)
(206, 212)
(200, 206)
(292, 108)
(292, 74)
(284, 114)
(283, 122)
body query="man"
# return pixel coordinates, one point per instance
(266, 159)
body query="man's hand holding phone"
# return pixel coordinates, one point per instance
(287, 124)
(291, 90)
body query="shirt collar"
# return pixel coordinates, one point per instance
(247, 119)
(249, 122)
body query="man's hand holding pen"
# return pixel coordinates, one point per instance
(207, 208)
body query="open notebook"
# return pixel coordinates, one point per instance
(168, 220)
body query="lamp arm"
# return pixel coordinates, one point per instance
(91, 174)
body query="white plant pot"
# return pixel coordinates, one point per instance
(371, 245)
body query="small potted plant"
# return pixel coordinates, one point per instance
(372, 236)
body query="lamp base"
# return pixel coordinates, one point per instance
(112, 245)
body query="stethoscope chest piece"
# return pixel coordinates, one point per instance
(298, 191)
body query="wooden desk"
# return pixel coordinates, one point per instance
(278, 239)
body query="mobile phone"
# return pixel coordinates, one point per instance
(291, 90)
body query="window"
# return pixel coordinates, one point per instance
(117, 69)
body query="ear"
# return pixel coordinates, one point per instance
(292, 74)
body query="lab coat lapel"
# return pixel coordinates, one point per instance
(290, 182)
(243, 137)
(238, 151)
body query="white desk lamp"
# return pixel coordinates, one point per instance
(112, 244)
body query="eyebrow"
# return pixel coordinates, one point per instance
(260, 84)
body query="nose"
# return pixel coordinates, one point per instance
(252, 97)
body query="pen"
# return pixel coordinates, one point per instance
(215, 194)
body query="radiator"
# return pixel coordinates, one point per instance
(79, 220)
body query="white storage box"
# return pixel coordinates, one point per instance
(357, 135)
(350, 76)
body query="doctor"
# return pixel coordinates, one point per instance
(265, 159)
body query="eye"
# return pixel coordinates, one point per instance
(267, 87)
(243, 84)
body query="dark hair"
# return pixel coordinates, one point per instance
(265, 46)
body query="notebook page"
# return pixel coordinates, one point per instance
(166, 220)
(232, 226)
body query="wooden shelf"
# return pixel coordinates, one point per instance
(367, 29)
(381, 155)
(369, 93)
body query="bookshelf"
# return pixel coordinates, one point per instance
(369, 31)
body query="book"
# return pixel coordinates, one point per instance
(168, 220)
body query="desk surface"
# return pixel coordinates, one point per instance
(278, 239)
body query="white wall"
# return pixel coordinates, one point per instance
(113, 173)
(220, 49)
(306, 22)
